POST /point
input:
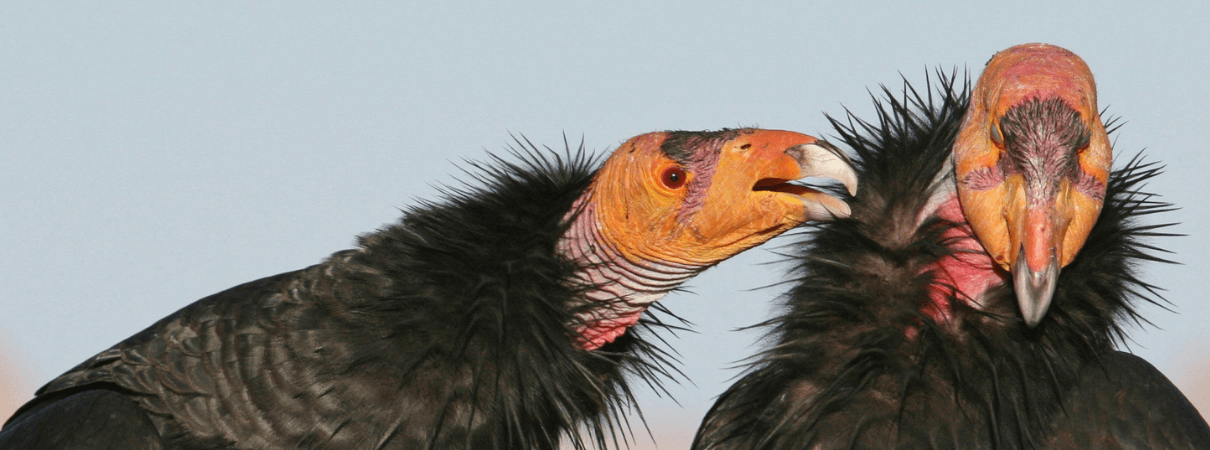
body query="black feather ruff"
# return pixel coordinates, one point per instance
(842, 372)
(450, 329)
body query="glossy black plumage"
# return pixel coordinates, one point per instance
(447, 330)
(854, 363)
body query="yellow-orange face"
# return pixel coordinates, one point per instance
(1032, 160)
(697, 198)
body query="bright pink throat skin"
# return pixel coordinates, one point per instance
(600, 332)
(966, 274)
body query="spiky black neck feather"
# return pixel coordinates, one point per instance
(856, 364)
(480, 273)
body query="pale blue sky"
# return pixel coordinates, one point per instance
(152, 153)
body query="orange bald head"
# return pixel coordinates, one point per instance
(1032, 160)
(697, 198)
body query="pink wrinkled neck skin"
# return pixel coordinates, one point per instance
(620, 290)
(604, 331)
(965, 275)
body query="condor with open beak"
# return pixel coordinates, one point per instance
(668, 205)
(697, 198)
(1031, 162)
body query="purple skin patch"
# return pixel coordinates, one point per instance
(702, 164)
(984, 179)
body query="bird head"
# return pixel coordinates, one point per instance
(1031, 161)
(697, 198)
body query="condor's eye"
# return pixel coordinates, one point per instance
(1083, 141)
(673, 177)
(994, 132)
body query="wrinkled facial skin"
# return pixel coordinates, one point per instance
(697, 198)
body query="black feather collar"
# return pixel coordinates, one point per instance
(843, 373)
(484, 260)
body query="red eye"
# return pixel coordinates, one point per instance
(673, 177)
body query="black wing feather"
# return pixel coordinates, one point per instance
(93, 419)
(1127, 404)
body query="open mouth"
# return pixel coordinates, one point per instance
(784, 186)
(820, 164)
(818, 204)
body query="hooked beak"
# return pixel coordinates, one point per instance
(755, 194)
(1035, 288)
(821, 159)
(814, 159)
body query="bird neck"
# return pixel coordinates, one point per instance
(966, 272)
(615, 289)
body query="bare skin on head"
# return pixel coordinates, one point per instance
(1031, 163)
(667, 205)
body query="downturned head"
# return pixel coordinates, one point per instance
(1032, 160)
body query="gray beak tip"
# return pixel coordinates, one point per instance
(823, 159)
(1034, 290)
